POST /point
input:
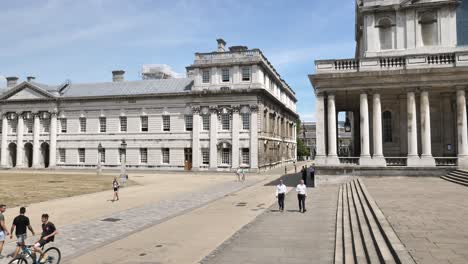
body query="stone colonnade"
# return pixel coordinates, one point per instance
(20, 118)
(377, 159)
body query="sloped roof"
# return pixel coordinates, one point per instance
(162, 86)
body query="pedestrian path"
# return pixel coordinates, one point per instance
(289, 237)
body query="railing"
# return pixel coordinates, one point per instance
(417, 61)
(349, 160)
(396, 161)
(227, 54)
(446, 161)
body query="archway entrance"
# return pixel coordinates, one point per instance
(45, 154)
(28, 154)
(12, 155)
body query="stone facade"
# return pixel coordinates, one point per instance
(404, 91)
(211, 120)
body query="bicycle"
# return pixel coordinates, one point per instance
(53, 256)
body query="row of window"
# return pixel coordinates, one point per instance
(226, 156)
(226, 74)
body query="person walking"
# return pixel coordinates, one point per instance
(312, 176)
(20, 223)
(301, 190)
(280, 193)
(116, 186)
(3, 229)
(304, 174)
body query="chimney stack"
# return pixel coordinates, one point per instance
(118, 76)
(11, 81)
(221, 45)
(30, 78)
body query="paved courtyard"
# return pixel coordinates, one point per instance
(429, 216)
(289, 237)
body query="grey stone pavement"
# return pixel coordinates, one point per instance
(77, 238)
(429, 215)
(289, 237)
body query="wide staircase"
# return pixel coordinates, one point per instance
(363, 234)
(457, 176)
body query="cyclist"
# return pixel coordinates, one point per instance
(48, 235)
(21, 222)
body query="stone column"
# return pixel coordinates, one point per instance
(213, 138)
(254, 138)
(4, 152)
(332, 158)
(196, 154)
(36, 134)
(413, 158)
(365, 159)
(53, 140)
(235, 137)
(426, 156)
(377, 157)
(462, 130)
(321, 156)
(19, 142)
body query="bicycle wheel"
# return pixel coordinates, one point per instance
(18, 260)
(53, 255)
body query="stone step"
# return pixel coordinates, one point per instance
(448, 178)
(459, 173)
(339, 249)
(457, 177)
(347, 233)
(358, 246)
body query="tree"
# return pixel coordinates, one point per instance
(302, 149)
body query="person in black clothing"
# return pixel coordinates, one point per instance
(48, 235)
(21, 222)
(304, 174)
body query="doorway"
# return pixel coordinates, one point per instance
(45, 154)
(187, 159)
(12, 156)
(28, 154)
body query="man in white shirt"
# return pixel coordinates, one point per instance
(280, 193)
(301, 190)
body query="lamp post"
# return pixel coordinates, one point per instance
(99, 167)
(123, 165)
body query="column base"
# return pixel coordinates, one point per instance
(413, 161)
(366, 161)
(462, 162)
(379, 161)
(320, 160)
(427, 161)
(333, 160)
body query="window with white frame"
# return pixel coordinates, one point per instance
(29, 125)
(387, 126)
(245, 156)
(165, 156)
(166, 123)
(225, 74)
(225, 121)
(246, 72)
(206, 76)
(144, 155)
(144, 123)
(62, 155)
(123, 123)
(103, 155)
(82, 124)
(188, 123)
(12, 125)
(122, 154)
(206, 122)
(81, 155)
(386, 26)
(429, 29)
(63, 125)
(226, 156)
(102, 124)
(205, 156)
(246, 121)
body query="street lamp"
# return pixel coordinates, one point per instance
(99, 167)
(123, 165)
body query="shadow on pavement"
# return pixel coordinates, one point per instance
(291, 180)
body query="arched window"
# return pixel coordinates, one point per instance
(429, 32)
(385, 26)
(387, 126)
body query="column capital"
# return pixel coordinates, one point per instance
(235, 109)
(213, 109)
(460, 87)
(196, 110)
(254, 108)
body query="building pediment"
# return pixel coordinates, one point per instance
(26, 91)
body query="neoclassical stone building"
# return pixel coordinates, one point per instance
(404, 94)
(232, 110)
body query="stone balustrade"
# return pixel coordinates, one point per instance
(419, 61)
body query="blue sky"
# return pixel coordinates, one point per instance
(85, 40)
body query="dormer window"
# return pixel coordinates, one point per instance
(385, 26)
(429, 32)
